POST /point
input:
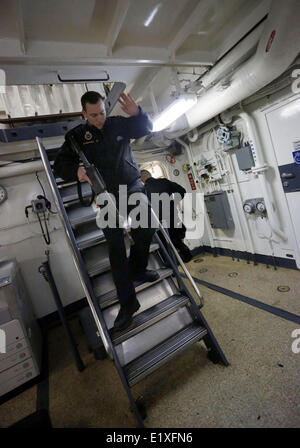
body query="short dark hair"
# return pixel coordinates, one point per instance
(145, 172)
(90, 97)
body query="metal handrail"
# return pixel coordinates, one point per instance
(75, 252)
(168, 239)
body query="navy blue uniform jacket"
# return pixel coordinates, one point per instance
(108, 149)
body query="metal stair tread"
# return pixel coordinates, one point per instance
(149, 317)
(78, 214)
(98, 267)
(111, 297)
(159, 355)
(69, 193)
(88, 235)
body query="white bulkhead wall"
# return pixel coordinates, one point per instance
(252, 233)
(22, 239)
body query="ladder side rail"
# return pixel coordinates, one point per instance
(210, 340)
(179, 278)
(85, 281)
(174, 251)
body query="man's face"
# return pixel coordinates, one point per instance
(145, 176)
(95, 114)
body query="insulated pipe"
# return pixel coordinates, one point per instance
(260, 168)
(207, 127)
(250, 240)
(193, 135)
(277, 49)
(18, 169)
(233, 59)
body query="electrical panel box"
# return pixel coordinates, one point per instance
(218, 210)
(244, 158)
(20, 335)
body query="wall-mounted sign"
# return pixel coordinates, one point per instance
(192, 182)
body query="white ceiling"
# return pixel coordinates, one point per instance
(40, 37)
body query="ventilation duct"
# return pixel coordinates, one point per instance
(278, 47)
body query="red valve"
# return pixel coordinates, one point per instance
(170, 159)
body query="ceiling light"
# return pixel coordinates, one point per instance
(177, 108)
(152, 15)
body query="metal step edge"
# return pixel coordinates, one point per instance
(78, 221)
(91, 242)
(72, 184)
(104, 267)
(65, 184)
(72, 195)
(74, 198)
(162, 353)
(150, 316)
(111, 297)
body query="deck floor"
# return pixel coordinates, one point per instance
(260, 388)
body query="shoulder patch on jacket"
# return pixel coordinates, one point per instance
(77, 130)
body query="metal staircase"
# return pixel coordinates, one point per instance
(169, 320)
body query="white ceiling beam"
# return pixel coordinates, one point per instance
(67, 53)
(20, 22)
(194, 19)
(116, 24)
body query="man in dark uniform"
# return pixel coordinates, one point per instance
(106, 143)
(177, 233)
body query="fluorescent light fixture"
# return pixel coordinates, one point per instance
(152, 15)
(173, 111)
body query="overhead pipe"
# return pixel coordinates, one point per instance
(277, 49)
(193, 135)
(233, 59)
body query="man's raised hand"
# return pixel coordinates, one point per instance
(128, 105)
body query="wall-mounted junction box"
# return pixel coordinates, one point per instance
(218, 210)
(244, 158)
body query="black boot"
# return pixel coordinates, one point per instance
(184, 253)
(147, 276)
(124, 317)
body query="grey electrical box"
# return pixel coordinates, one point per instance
(244, 158)
(218, 210)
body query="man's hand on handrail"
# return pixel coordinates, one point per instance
(82, 176)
